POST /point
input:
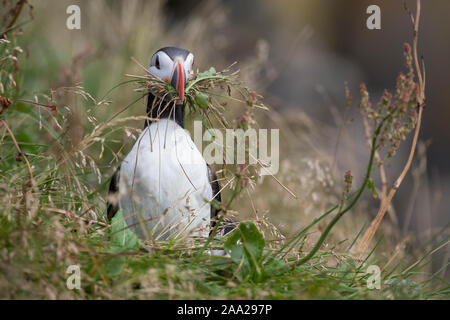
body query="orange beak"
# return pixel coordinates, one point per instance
(178, 80)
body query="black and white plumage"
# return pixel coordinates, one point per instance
(164, 185)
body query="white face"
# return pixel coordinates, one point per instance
(163, 66)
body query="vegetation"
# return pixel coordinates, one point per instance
(57, 156)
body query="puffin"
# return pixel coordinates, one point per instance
(164, 186)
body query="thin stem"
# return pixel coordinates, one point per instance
(352, 203)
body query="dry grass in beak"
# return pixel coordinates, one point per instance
(204, 92)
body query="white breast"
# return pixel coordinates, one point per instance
(164, 186)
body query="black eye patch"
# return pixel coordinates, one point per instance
(174, 52)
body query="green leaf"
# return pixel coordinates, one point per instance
(207, 73)
(201, 99)
(122, 239)
(245, 247)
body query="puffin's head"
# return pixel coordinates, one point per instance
(173, 65)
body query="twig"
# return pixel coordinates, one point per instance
(51, 106)
(72, 215)
(365, 241)
(17, 10)
(21, 154)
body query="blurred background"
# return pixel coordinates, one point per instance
(299, 54)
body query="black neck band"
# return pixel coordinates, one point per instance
(157, 109)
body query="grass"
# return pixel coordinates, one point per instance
(56, 160)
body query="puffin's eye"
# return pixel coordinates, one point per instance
(157, 63)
